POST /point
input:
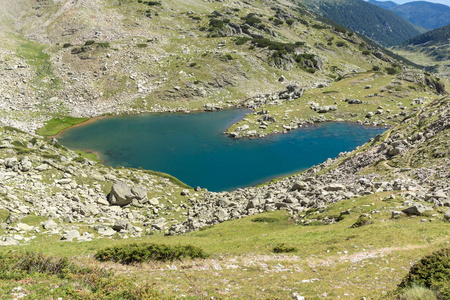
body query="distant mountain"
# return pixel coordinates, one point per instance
(430, 49)
(384, 4)
(381, 25)
(425, 14)
(439, 36)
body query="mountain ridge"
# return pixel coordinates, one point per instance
(422, 13)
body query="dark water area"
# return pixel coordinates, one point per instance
(193, 148)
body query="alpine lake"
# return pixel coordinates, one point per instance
(194, 148)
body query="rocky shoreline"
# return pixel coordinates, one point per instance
(77, 199)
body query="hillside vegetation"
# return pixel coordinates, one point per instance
(381, 25)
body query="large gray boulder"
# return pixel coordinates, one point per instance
(121, 194)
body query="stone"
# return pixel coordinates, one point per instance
(42, 167)
(447, 215)
(396, 214)
(154, 201)
(70, 235)
(10, 162)
(335, 187)
(121, 225)
(50, 224)
(139, 192)
(102, 201)
(416, 210)
(24, 227)
(120, 194)
(299, 186)
(108, 231)
(185, 192)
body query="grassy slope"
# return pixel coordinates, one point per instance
(367, 261)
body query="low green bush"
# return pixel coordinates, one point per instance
(88, 43)
(137, 253)
(433, 272)
(74, 280)
(10, 128)
(283, 248)
(265, 220)
(391, 71)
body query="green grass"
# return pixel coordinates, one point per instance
(56, 125)
(88, 155)
(170, 177)
(369, 261)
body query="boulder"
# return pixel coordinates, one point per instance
(70, 235)
(139, 192)
(50, 224)
(120, 194)
(416, 210)
(24, 227)
(335, 187)
(447, 215)
(121, 225)
(10, 162)
(299, 186)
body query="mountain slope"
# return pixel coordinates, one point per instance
(430, 49)
(425, 14)
(384, 4)
(381, 25)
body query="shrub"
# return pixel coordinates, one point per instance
(418, 293)
(277, 22)
(391, 71)
(265, 220)
(88, 43)
(375, 68)
(10, 128)
(366, 52)
(216, 23)
(67, 45)
(242, 40)
(289, 22)
(251, 20)
(432, 271)
(142, 45)
(77, 281)
(136, 253)
(152, 3)
(340, 44)
(18, 144)
(103, 45)
(283, 248)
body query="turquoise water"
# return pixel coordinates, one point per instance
(193, 148)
